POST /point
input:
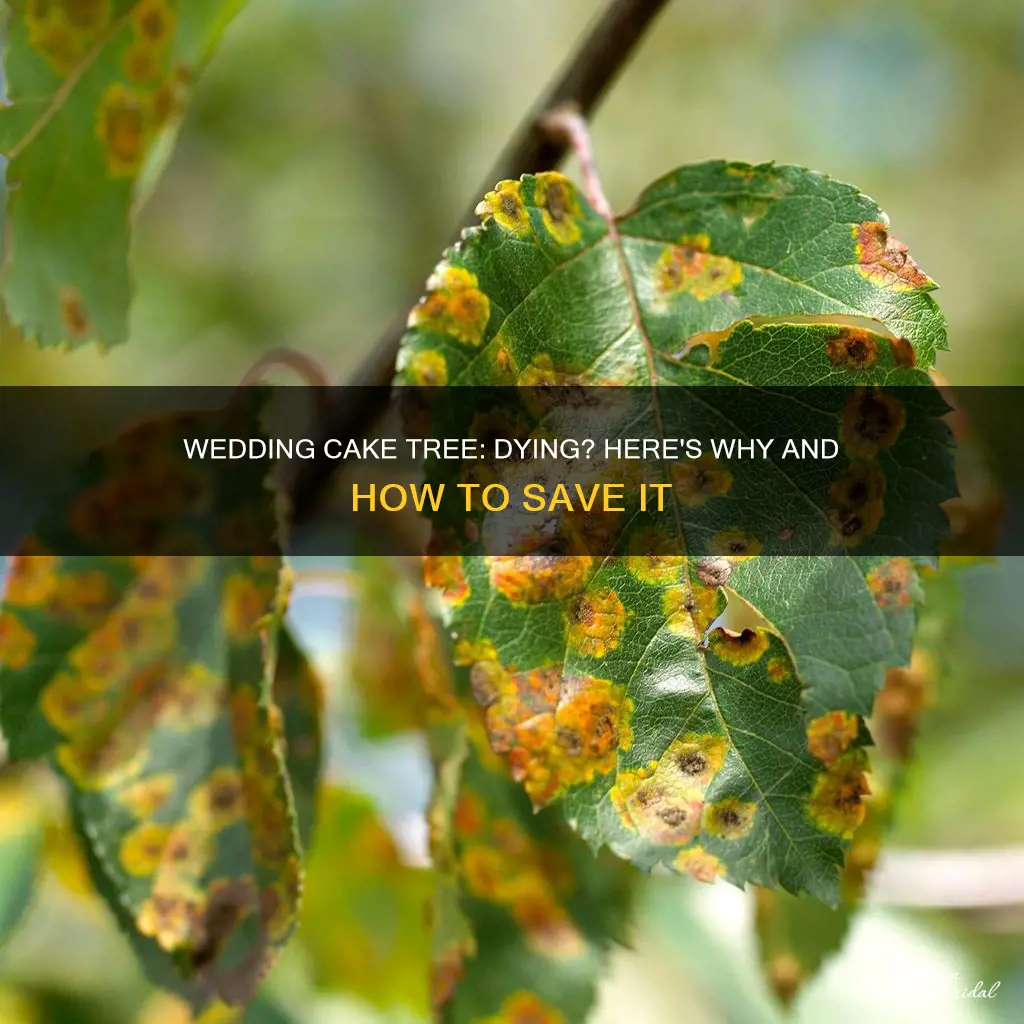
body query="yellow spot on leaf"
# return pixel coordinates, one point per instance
(505, 205)
(454, 305)
(219, 801)
(428, 368)
(244, 603)
(17, 642)
(534, 579)
(690, 609)
(735, 543)
(664, 802)
(125, 127)
(689, 267)
(142, 849)
(729, 818)
(444, 573)
(525, 1008)
(778, 670)
(595, 622)
(742, 648)
(694, 482)
(650, 559)
(699, 864)
(560, 207)
(836, 802)
(145, 797)
(830, 734)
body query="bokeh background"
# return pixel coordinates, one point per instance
(329, 151)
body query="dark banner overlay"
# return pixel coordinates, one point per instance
(720, 470)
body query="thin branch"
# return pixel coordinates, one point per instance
(600, 57)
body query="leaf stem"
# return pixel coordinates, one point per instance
(599, 58)
(567, 122)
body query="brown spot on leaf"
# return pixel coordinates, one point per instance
(830, 734)
(903, 353)
(886, 260)
(72, 313)
(853, 349)
(836, 802)
(871, 422)
(739, 648)
(124, 126)
(715, 572)
(890, 583)
(729, 818)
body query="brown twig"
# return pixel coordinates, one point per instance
(600, 57)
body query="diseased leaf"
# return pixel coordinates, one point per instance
(298, 695)
(147, 680)
(796, 934)
(542, 909)
(92, 85)
(610, 685)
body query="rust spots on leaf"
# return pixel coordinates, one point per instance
(445, 573)
(63, 31)
(858, 506)
(218, 801)
(885, 260)
(690, 608)
(534, 579)
(556, 731)
(664, 802)
(454, 305)
(505, 204)
(650, 557)
(829, 735)
(560, 207)
(778, 669)
(699, 864)
(742, 648)
(729, 819)
(125, 126)
(715, 571)
(142, 849)
(871, 422)
(689, 267)
(595, 622)
(853, 348)
(145, 797)
(244, 603)
(427, 368)
(696, 481)
(735, 544)
(17, 641)
(72, 314)
(154, 22)
(525, 1008)
(837, 800)
(890, 583)
(506, 866)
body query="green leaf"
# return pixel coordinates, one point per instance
(21, 838)
(93, 85)
(364, 924)
(611, 685)
(298, 694)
